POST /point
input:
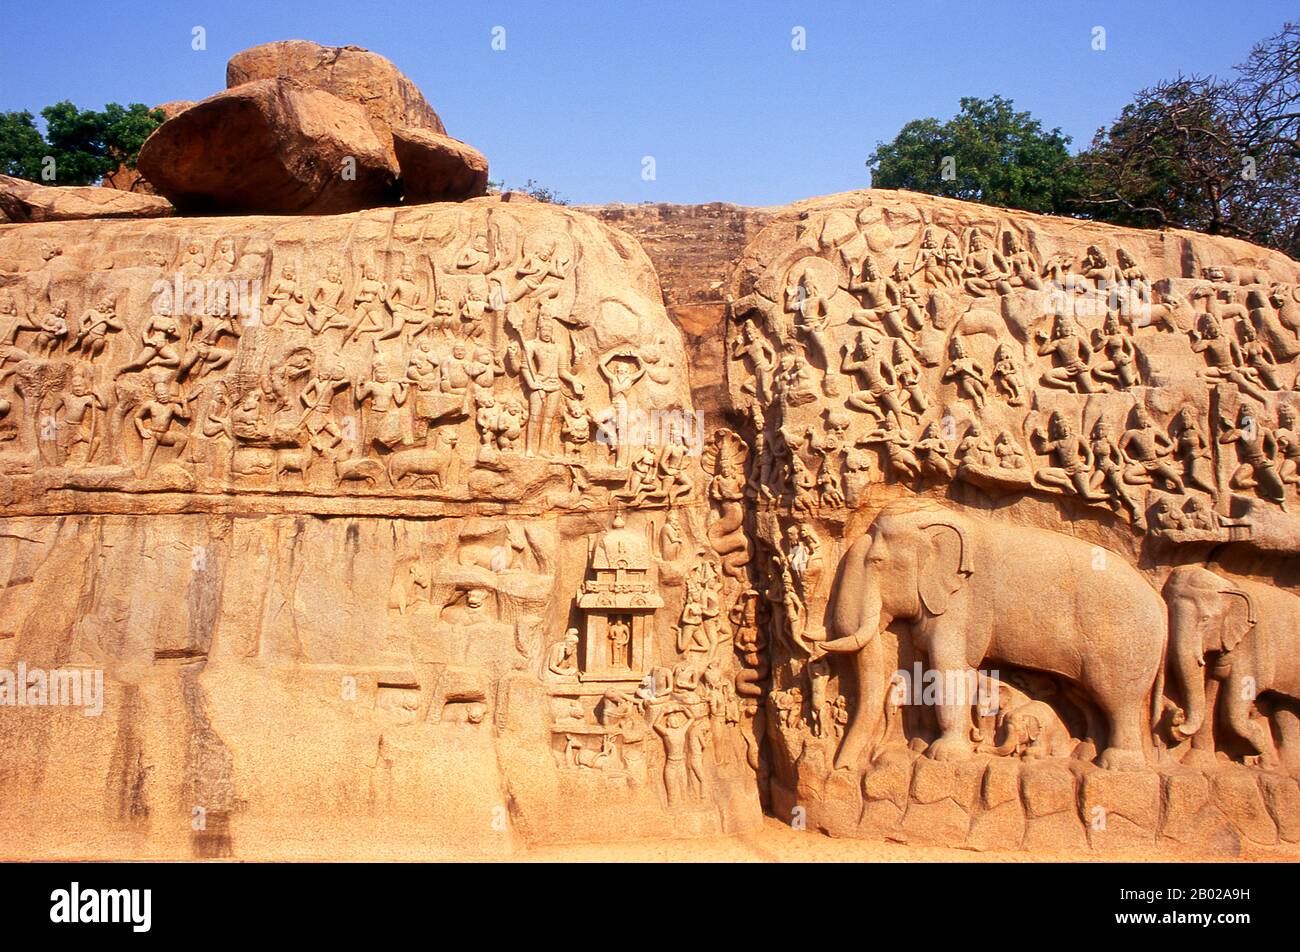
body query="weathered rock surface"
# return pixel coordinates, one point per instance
(271, 146)
(693, 248)
(351, 73)
(408, 520)
(23, 201)
(1013, 404)
(346, 544)
(309, 129)
(438, 168)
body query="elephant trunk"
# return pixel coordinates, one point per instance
(1187, 664)
(1010, 740)
(863, 638)
(860, 623)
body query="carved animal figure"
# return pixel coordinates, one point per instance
(1239, 639)
(967, 590)
(360, 469)
(430, 464)
(1029, 729)
(496, 558)
(293, 461)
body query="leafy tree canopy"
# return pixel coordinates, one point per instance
(85, 144)
(987, 153)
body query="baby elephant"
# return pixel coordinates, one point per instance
(1029, 729)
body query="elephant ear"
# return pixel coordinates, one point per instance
(945, 563)
(1032, 727)
(1237, 619)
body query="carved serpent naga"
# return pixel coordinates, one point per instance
(723, 462)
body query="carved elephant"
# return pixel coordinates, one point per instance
(1252, 632)
(1029, 729)
(967, 590)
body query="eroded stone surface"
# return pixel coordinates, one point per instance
(395, 520)
(1029, 456)
(362, 518)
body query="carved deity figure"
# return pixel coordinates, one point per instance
(160, 421)
(286, 299)
(370, 306)
(1072, 458)
(969, 374)
(1119, 369)
(1192, 448)
(753, 346)
(1257, 453)
(1110, 475)
(1150, 451)
(1071, 355)
(324, 308)
(1006, 375)
(385, 397)
(542, 370)
(96, 324)
(878, 395)
(1223, 357)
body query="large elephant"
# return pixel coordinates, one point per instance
(968, 591)
(1253, 632)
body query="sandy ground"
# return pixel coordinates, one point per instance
(776, 842)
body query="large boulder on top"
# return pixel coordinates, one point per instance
(353, 74)
(270, 146)
(438, 168)
(23, 201)
(276, 139)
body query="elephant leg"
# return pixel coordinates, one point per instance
(870, 707)
(1202, 751)
(1286, 723)
(1236, 700)
(953, 708)
(1125, 720)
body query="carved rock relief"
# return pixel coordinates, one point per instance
(396, 519)
(984, 445)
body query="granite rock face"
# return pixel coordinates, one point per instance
(389, 520)
(270, 146)
(350, 73)
(23, 201)
(1021, 489)
(451, 530)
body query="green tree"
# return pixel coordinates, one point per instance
(987, 153)
(86, 144)
(1220, 156)
(21, 145)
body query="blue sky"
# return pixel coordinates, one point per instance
(712, 90)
